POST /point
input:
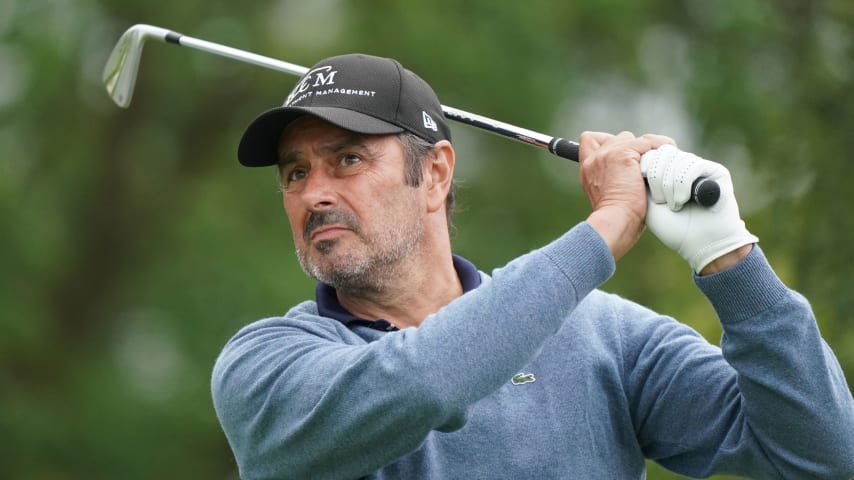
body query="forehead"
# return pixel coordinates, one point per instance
(308, 126)
(309, 132)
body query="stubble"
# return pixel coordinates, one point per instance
(370, 266)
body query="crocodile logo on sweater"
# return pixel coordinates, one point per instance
(522, 378)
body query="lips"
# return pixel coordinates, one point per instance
(327, 232)
(328, 224)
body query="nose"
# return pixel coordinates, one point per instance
(318, 190)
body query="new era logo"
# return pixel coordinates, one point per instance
(429, 122)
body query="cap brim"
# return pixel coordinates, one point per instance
(259, 145)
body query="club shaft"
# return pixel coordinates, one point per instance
(236, 54)
(558, 146)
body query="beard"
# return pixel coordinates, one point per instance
(368, 267)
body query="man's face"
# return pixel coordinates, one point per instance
(353, 218)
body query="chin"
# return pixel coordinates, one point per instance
(324, 247)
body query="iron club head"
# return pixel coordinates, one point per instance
(122, 66)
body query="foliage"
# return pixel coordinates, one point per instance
(134, 246)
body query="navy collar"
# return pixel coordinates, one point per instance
(329, 306)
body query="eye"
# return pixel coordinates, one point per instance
(350, 159)
(294, 175)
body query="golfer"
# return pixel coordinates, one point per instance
(410, 363)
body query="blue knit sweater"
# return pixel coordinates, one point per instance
(536, 374)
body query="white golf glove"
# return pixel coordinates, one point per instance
(698, 234)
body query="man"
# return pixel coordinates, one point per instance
(412, 364)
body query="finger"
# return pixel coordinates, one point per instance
(626, 140)
(670, 173)
(651, 169)
(654, 141)
(671, 159)
(591, 141)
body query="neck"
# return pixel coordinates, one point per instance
(421, 286)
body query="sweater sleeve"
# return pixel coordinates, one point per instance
(298, 403)
(774, 404)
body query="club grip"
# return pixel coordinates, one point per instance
(705, 192)
(564, 148)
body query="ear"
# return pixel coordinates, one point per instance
(439, 174)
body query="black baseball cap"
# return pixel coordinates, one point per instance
(361, 93)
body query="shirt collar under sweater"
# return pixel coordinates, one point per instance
(329, 306)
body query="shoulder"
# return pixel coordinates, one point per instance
(301, 320)
(274, 337)
(270, 343)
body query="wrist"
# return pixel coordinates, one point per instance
(727, 260)
(620, 230)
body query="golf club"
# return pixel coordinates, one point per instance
(122, 67)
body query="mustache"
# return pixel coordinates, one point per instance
(329, 217)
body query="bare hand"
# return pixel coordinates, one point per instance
(611, 178)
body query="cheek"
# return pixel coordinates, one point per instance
(296, 231)
(294, 218)
(404, 206)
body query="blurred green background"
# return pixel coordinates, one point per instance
(133, 245)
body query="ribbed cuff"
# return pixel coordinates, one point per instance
(583, 257)
(744, 290)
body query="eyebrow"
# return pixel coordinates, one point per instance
(333, 146)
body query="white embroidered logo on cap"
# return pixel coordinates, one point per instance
(319, 77)
(429, 122)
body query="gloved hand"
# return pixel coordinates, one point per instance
(698, 234)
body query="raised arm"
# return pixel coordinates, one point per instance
(775, 405)
(302, 397)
